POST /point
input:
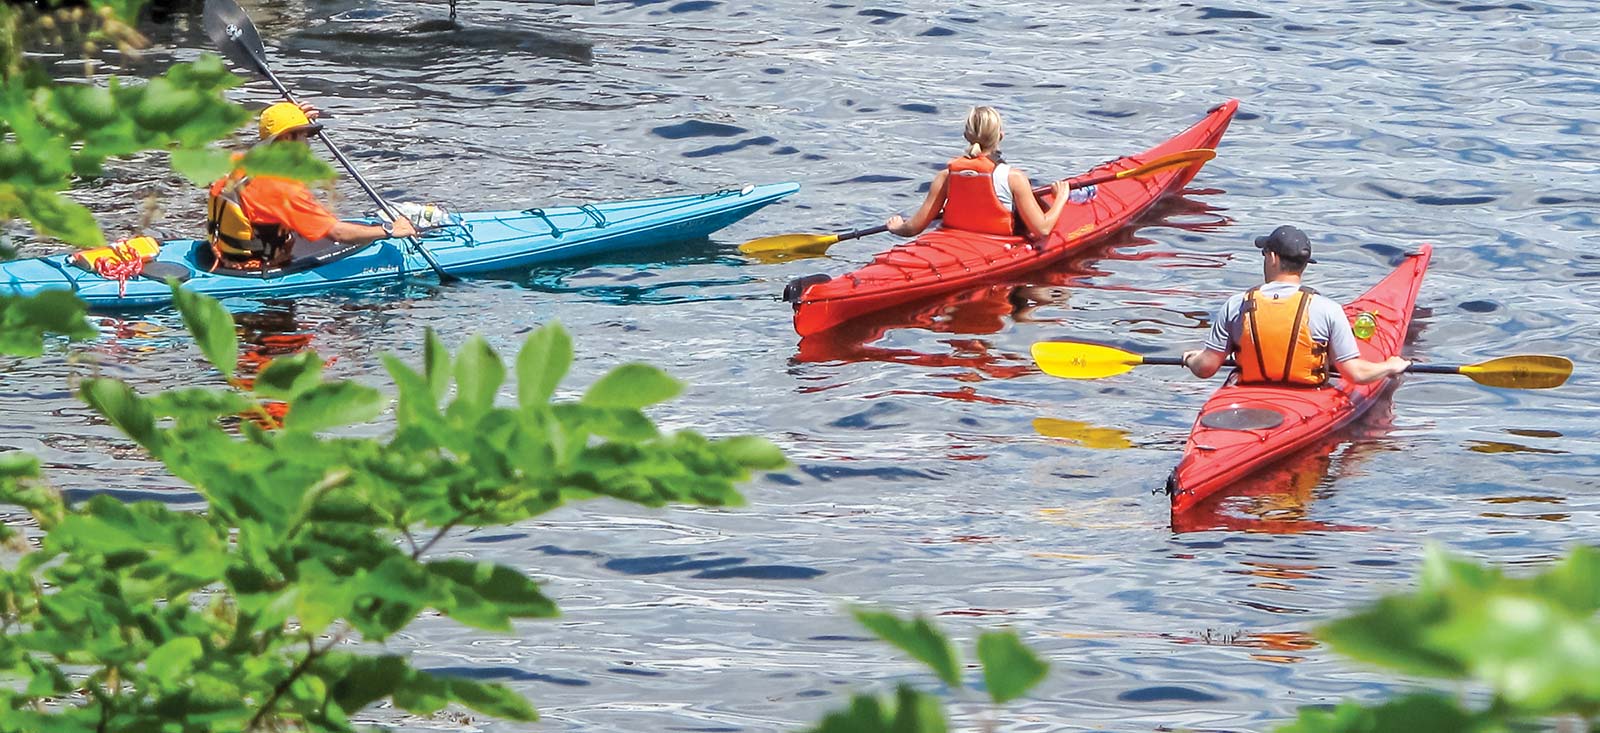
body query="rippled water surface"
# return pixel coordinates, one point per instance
(935, 468)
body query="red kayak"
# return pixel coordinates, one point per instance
(1242, 428)
(946, 259)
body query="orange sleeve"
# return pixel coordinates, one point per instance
(289, 203)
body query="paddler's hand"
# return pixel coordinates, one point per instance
(1058, 190)
(1396, 365)
(403, 228)
(312, 112)
(897, 225)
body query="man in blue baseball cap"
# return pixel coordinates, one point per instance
(1282, 332)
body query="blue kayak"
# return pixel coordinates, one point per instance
(472, 242)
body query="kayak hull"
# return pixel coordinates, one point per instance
(1216, 458)
(946, 259)
(481, 242)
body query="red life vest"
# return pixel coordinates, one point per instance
(970, 202)
(1275, 342)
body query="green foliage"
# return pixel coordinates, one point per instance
(243, 617)
(909, 712)
(53, 133)
(66, 131)
(25, 320)
(1009, 671)
(1009, 668)
(918, 638)
(1534, 643)
(1424, 713)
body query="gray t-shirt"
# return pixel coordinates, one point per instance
(1329, 325)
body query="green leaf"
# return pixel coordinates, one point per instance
(1421, 713)
(212, 326)
(286, 377)
(127, 411)
(751, 452)
(436, 365)
(633, 386)
(1389, 633)
(25, 320)
(478, 375)
(1574, 582)
(333, 404)
(201, 166)
(918, 638)
(198, 403)
(508, 591)
(544, 360)
(911, 712)
(356, 681)
(1009, 668)
(286, 160)
(173, 660)
(57, 216)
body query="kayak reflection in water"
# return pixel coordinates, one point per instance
(980, 192)
(255, 221)
(1282, 332)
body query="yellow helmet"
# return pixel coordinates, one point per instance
(284, 117)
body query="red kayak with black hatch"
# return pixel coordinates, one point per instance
(947, 259)
(1242, 428)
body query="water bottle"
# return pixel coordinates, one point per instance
(425, 216)
(1364, 325)
(1081, 195)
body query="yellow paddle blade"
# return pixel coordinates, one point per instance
(1527, 371)
(1182, 157)
(1083, 361)
(1082, 433)
(794, 243)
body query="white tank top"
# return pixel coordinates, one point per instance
(1002, 186)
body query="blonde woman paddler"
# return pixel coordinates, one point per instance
(979, 192)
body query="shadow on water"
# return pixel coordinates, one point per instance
(422, 44)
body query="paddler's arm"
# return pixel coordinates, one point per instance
(1347, 356)
(1204, 363)
(1039, 222)
(1361, 371)
(349, 232)
(932, 206)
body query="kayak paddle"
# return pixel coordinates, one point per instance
(230, 28)
(1074, 360)
(819, 243)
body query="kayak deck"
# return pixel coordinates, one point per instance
(479, 242)
(1217, 456)
(945, 259)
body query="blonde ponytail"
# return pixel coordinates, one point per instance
(984, 130)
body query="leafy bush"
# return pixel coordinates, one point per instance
(246, 616)
(1533, 644)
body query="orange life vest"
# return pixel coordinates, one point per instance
(970, 202)
(231, 233)
(1275, 342)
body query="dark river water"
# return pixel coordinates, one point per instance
(934, 468)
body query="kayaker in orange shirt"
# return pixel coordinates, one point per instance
(255, 221)
(1283, 332)
(980, 192)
